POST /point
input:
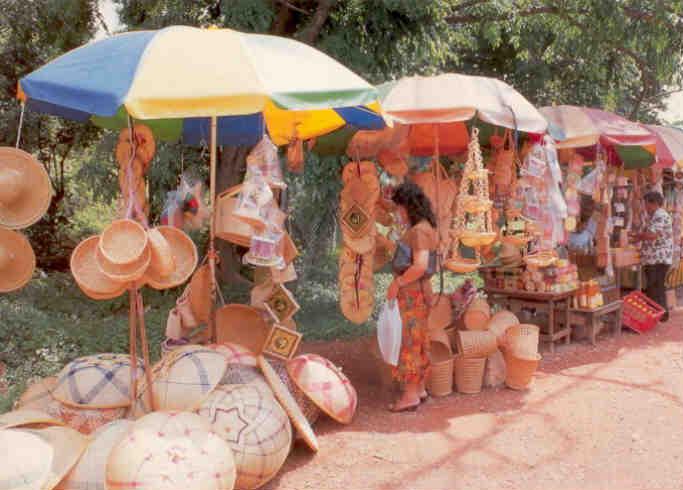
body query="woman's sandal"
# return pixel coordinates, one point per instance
(408, 408)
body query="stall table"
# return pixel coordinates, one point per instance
(593, 319)
(515, 300)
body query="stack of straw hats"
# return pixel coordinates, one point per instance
(358, 202)
(25, 195)
(126, 254)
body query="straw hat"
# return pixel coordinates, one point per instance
(97, 381)
(25, 191)
(84, 420)
(235, 353)
(199, 296)
(90, 471)
(26, 418)
(184, 254)
(67, 445)
(290, 405)
(243, 325)
(123, 242)
(26, 459)
(17, 260)
(162, 262)
(124, 272)
(241, 374)
(171, 451)
(88, 274)
(326, 385)
(182, 379)
(255, 426)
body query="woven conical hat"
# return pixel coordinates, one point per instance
(326, 385)
(243, 325)
(235, 353)
(25, 190)
(127, 272)
(185, 258)
(98, 381)
(255, 426)
(26, 418)
(67, 444)
(123, 241)
(17, 260)
(90, 471)
(182, 379)
(162, 257)
(84, 420)
(26, 460)
(290, 405)
(171, 451)
(88, 274)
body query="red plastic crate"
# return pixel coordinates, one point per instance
(640, 313)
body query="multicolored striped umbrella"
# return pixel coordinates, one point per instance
(669, 145)
(176, 78)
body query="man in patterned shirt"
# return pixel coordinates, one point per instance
(657, 250)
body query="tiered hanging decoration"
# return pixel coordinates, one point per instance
(472, 224)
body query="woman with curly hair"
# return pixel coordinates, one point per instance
(413, 265)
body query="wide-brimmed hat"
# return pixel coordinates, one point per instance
(290, 405)
(326, 385)
(28, 461)
(17, 260)
(88, 275)
(27, 417)
(243, 325)
(185, 257)
(123, 241)
(68, 445)
(25, 190)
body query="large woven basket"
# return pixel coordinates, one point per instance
(469, 374)
(500, 322)
(440, 381)
(262, 439)
(522, 340)
(520, 370)
(170, 451)
(476, 343)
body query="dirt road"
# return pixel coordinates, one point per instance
(596, 418)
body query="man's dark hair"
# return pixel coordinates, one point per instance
(654, 197)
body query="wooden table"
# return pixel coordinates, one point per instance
(515, 300)
(592, 319)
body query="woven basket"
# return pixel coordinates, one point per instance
(243, 325)
(461, 265)
(469, 374)
(520, 370)
(261, 442)
(171, 451)
(476, 343)
(477, 315)
(87, 273)
(123, 242)
(441, 313)
(228, 227)
(500, 322)
(477, 238)
(440, 381)
(522, 340)
(127, 272)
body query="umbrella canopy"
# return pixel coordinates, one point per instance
(176, 78)
(583, 126)
(669, 145)
(452, 97)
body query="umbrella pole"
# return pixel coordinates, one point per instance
(212, 231)
(132, 347)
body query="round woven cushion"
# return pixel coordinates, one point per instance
(25, 457)
(325, 385)
(97, 381)
(182, 379)
(90, 471)
(171, 451)
(256, 427)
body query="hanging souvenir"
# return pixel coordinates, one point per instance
(264, 158)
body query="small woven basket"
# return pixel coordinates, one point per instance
(469, 374)
(440, 381)
(519, 371)
(461, 265)
(123, 241)
(522, 340)
(476, 343)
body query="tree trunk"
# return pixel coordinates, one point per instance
(230, 172)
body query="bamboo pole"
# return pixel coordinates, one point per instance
(132, 348)
(212, 232)
(145, 350)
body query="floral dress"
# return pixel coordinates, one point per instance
(414, 302)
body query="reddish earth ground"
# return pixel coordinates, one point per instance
(603, 417)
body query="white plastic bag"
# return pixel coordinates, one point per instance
(389, 330)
